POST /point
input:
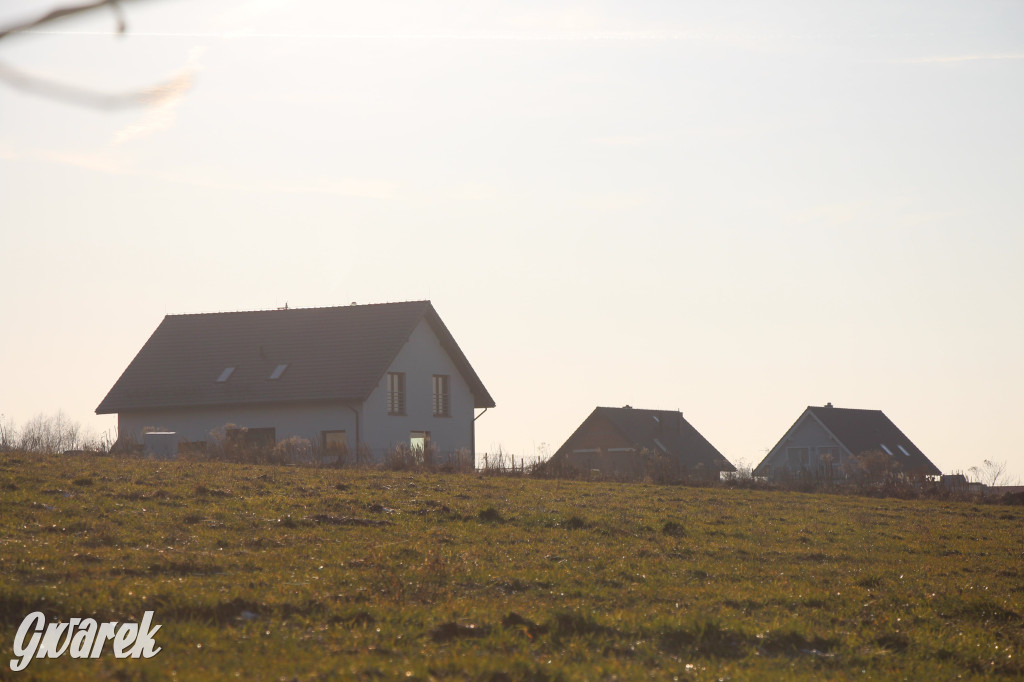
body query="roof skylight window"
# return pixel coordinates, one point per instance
(656, 419)
(278, 371)
(887, 450)
(225, 375)
(903, 450)
(661, 445)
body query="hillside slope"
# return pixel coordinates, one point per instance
(321, 574)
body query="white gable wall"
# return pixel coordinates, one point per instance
(420, 359)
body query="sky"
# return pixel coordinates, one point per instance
(735, 209)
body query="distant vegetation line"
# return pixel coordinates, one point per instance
(869, 474)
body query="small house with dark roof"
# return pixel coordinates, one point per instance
(362, 380)
(824, 439)
(629, 442)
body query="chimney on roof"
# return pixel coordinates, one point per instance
(627, 407)
(828, 405)
(352, 303)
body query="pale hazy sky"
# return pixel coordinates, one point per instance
(734, 209)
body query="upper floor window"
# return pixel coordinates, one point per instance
(396, 393)
(441, 400)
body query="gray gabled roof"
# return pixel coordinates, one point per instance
(337, 353)
(657, 431)
(861, 431)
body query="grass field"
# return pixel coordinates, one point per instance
(290, 573)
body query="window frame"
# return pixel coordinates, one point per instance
(442, 399)
(803, 456)
(422, 435)
(395, 394)
(834, 451)
(343, 450)
(252, 437)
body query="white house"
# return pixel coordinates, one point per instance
(362, 379)
(823, 439)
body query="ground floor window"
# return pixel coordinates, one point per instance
(335, 442)
(192, 447)
(419, 441)
(253, 438)
(249, 444)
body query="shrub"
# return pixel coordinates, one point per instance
(295, 450)
(50, 435)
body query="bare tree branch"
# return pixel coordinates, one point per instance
(72, 94)
(61, 12)
(85, 97)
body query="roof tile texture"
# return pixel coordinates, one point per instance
(336, 353)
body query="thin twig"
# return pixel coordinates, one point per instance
(94, 99)
(73, 94)
(61, 12)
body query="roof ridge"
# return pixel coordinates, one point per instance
(282, 310)
(636, 409)
(848, 409)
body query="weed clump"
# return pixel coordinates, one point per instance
(705, 636)
(871, 582)
(792, 643)
(673, 529)
(575, 523)
(357, 619)
(574, 624)
(513, 621)
(203, 491)
(446, 632)
(490, 515)
(896, 642)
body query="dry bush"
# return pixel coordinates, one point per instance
(991, 473)
(8, 435)
(49, 435)
(295, 450)
(404, 458)
(233, 444)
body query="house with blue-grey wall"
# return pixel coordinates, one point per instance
(823, 441)
(361, 379)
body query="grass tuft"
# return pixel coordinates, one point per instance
(673, 529)
(490, 515)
